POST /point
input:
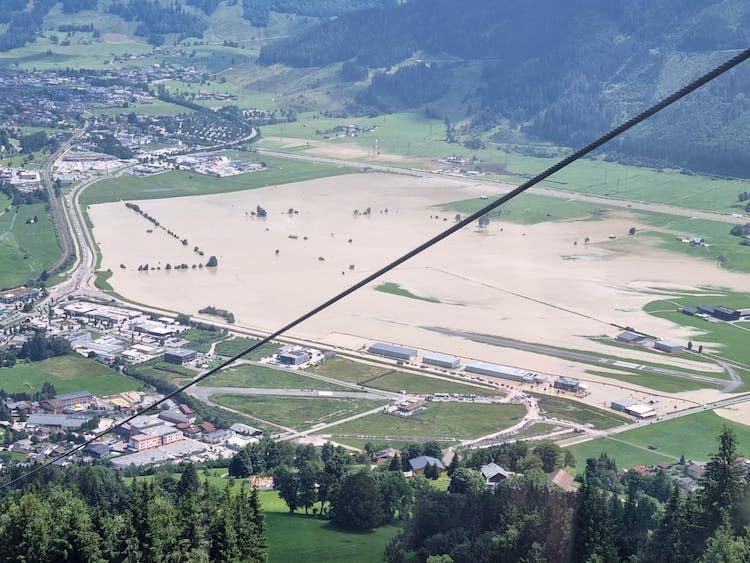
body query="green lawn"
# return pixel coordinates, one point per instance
(236, 345)
(247, 375)
(396, 289)
(626, 456)
(201, 339)
(693, 435)
(530, 209)
(350, 371)
(182, 183)
(296, 412)
(536, 429)
(67, 373)
(447, 421)
(25, 249)
(297, 537)
(576, 411)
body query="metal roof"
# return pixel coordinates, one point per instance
(385, 348)
(438, 357)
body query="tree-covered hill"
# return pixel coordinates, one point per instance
(559, 71)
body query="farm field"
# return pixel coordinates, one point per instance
(415, 136)
(443, 421)
(67, 373)
(575, 411)
(234, 346)
(25, 249)
(182, 183)
(296, 412)
(248, 375)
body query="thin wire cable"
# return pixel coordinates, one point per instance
(705, 79)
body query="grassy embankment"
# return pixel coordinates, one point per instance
(67, 373)
(25, 249)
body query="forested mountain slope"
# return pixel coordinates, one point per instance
(559, 71)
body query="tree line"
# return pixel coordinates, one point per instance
(155, 20)
(631, 518)
(89, 514)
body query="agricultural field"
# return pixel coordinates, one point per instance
(442, 421)
(576, 411)
(254, 376)
(296, 412)
(165, 371)
(663, 383)
(236, 345)
(396, 289)
(415, 136)
(67, 373)
(182, 183)
(25, 249)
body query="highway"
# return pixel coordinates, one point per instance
(58, 216)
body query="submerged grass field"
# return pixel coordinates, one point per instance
(396, 289)
(67, 373)
(296, 412)
(182, 183)
(446, 421)
(25, 249)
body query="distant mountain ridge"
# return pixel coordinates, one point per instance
(557, 71)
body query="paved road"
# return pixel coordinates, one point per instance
(727, 385)
(66, 241)
(497, 189)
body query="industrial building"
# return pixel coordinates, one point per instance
(726, 314)
(690, 311)
(441, 360)
(630, 337)
(633, 408)
(706, 309)
(667, 346)
(19, 295)
(76, 399)
(622, 404)
(392, 351)
(179, 355)
(504, 372)
(293, 357)
(567, 384)
(64, 421)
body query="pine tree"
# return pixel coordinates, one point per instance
(395, 464)
(723, 547)
(454, 464)
(221, 532)
(723, 482)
